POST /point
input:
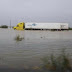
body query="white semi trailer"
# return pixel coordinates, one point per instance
(55, 26)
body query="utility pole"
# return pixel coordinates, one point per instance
(10, 23)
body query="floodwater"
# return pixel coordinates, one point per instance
(34, 46)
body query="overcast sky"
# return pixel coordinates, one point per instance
(35, 11)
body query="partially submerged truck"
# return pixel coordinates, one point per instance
(20, 26)
(41, 26)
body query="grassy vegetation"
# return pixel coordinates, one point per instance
(70, 28)
(4, 26)
(60, 63)
(18, 38)
(54, 63)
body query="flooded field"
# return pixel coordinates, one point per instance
(35, 45)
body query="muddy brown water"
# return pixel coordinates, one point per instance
(35, 45)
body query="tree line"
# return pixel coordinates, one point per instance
(3, 26)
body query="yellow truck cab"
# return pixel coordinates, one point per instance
(20, 26)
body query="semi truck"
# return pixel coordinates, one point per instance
(41, 26)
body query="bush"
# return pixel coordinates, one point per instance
(60, 63)
(18, 38)
(70, 28)
(4, 26)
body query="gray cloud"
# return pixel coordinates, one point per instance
(35, 11)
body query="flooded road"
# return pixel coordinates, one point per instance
(35, 45)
